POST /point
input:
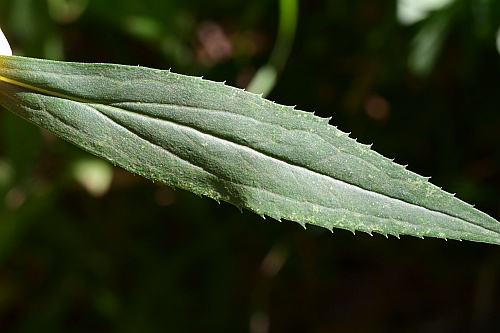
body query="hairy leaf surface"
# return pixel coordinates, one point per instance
(231, 145)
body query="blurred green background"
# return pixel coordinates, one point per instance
(87, 247)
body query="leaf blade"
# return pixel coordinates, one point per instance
(235, 146)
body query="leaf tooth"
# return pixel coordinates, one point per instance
(324, 120)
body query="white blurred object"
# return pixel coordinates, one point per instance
(4, 45)
(412, 11)
(94, 175)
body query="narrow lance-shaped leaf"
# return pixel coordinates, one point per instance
(235, 146)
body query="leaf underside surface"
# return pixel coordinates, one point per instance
(235, 146)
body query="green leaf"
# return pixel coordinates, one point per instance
(235, 146)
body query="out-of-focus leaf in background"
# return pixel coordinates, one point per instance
(144, 258)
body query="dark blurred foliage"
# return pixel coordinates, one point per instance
(139, 257)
